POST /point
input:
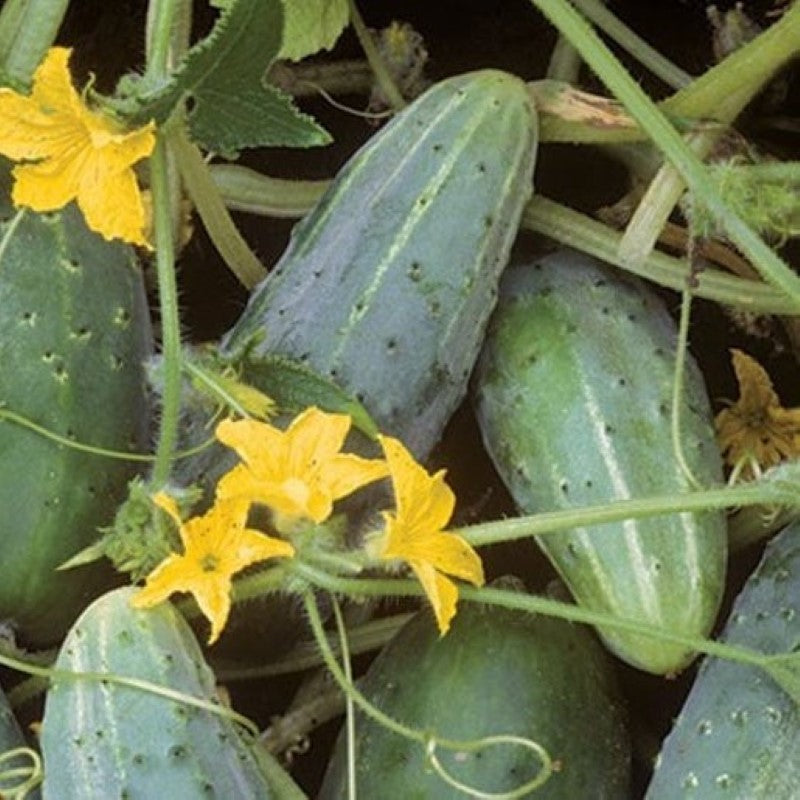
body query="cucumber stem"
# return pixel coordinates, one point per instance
(677, 389)
(170, 318)
(532, 604)
(227, 239)
(590, 236)
(567, 19)
(550, 522)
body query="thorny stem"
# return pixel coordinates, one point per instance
(170, 318)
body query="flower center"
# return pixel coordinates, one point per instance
(209, 563)
(297, 490)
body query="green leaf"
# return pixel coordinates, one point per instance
(295, 387)
(312, 25)
(222, 78)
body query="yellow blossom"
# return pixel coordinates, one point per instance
(415, 533)
(216, 546)
(756, 430)
(74, 153)
(299, 472)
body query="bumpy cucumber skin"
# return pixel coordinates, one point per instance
(573, 398)
(738, 734)
(105, 740)
(495, 672)
(388, 283)
(74, 334)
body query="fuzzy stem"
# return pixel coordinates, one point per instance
(170, 319)
(166, 22)
(550, 522)
(532, 604)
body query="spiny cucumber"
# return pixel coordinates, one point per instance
(738, 734)
(102, 739)
(573, 397)
(389, 281)
(74, 332)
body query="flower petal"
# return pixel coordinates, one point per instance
(253, 546)
(52, 85)
(421, 499)
(23, 127)
(445, 552)
(47, 185)
(112, 203)
(260, 445)
(314, 437)
(345, 473)
(170, 576)
(441, 593)
(755, 387)
(213, 597)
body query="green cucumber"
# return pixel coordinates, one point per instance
(74, 333)
(388, 283)
(105, 740)
(573, 398)
(738, 734)
(495, 672)
(12, 738)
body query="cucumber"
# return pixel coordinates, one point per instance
(106, 740)
(573, 398)
(11, 738)
(738, 734)
(74, 333)
(388, 283)
(496, 671)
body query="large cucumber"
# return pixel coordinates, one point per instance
(74, 332)
(389, 281)
(738, 734)
(573, 398)
(102, 739)
(495, 672)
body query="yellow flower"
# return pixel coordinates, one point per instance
(756, 430)
(216, 546)
(77, 154)
(299, 472)
(415, 533)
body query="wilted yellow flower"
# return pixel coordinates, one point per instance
(415, 533)
(756, 430)
(215, 547)
(299, 472)
(75, 153)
